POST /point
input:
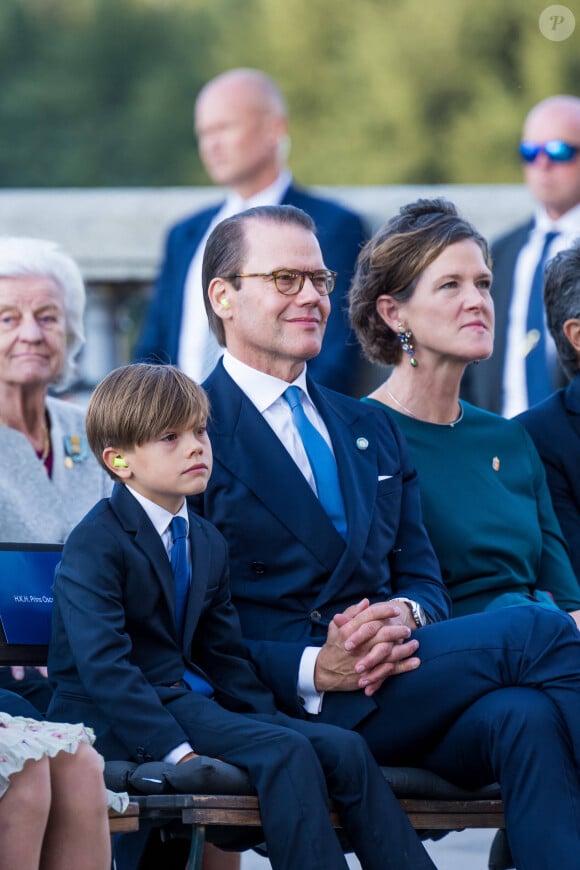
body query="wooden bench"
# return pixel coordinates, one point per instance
(223, 809)
(127, 822)
(218, 804)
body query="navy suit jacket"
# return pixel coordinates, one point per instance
(341, 234)
(554, 425)
(483, 383)
(290, 569)
(115, 652)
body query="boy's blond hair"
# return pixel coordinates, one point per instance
(137, 403)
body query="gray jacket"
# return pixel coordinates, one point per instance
(35, 507)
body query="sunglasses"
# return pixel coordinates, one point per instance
(554, 149)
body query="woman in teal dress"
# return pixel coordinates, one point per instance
(421, 302)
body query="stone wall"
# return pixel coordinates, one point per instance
(117, 235)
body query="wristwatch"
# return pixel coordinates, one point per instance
(417, 611)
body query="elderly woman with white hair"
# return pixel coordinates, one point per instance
(48, 476)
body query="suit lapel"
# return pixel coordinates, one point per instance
(352, 430)
(137, 524)
(503, 279)
(266, 468)
(193, 234)
(572, 403)
(296, 197)
(292, 501)
(199, 579)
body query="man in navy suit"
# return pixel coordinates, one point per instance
(346, 625)
(554, 424)
(241, 126)
(550, 150)
(158, 668)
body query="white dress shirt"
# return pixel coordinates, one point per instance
(199, 350)
(514, 376)
(266, 394)
(161, 520)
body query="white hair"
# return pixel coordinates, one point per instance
(28, 256)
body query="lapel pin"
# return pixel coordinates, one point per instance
(531, 340)
(362, 443)
(495, 463)
(76, 449)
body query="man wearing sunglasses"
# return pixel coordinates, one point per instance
(241, 125)
(524, 369)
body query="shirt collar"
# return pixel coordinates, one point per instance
(261, 389)
(271, 195)
(160, 517)
(568, 223)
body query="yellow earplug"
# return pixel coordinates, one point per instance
(119, 462)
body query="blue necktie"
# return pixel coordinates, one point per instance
(538, 375)
(180, 567)
(322, 461)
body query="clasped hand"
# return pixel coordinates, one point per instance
(365, 644)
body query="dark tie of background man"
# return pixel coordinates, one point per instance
(538, 374)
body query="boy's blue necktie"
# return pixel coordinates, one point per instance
(538, 375)
(180, 567)
(322, 461)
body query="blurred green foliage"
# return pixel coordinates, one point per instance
(100, 92)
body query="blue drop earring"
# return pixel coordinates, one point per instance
(405, 336)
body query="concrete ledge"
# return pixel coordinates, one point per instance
(117, 235)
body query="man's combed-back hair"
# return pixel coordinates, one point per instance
(226, 249)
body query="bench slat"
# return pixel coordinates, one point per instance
(423, 813)
(124, 823)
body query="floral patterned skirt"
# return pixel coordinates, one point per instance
(22, 738)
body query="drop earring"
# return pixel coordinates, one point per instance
(405, 336)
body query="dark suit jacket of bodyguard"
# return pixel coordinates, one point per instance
(290, 569)
(483, 383)
(341, 234)
(114, 602)
(554, 425)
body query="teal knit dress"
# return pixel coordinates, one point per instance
(488, 512)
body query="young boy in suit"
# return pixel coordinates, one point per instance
(162, 680)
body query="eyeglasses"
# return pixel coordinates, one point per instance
(555, 150)
(289, 282)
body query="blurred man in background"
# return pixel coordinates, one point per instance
(241, 125)
(523, 368)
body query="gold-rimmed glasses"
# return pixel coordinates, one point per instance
(289, 282)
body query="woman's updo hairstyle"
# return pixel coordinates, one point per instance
(392, 262)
